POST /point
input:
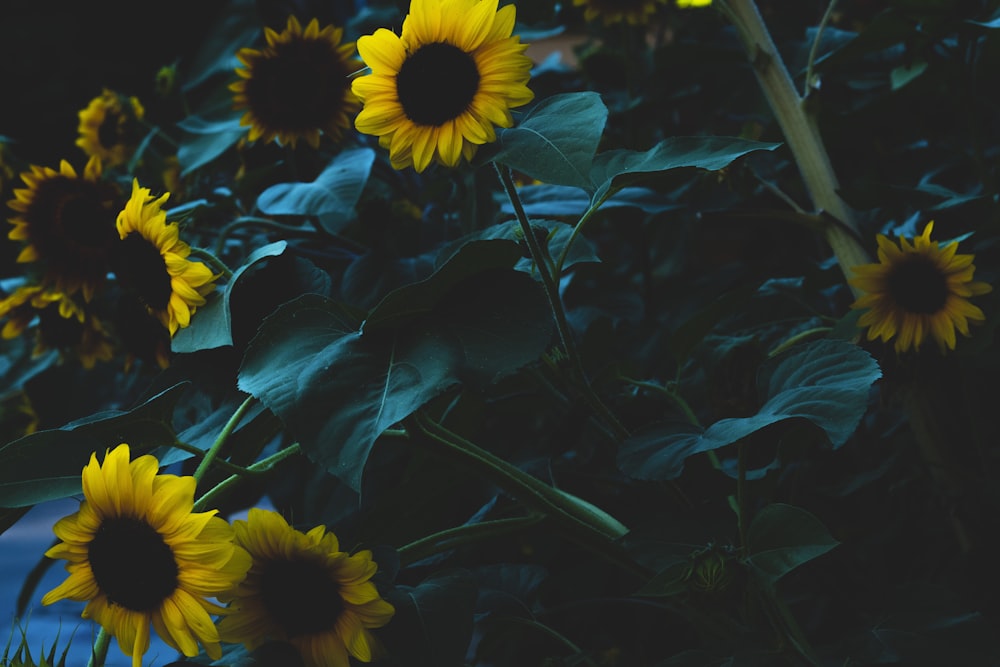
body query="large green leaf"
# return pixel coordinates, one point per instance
(338, 386)
(331, 196)
(556, 141)
(826, 382)
(614, 169)
(211, 327)
(434, 620)
(46, 465)
(782, 537)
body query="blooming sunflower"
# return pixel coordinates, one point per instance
(298, 85)
(918, 290)
(68, 222)
(137, 554)
(436, 91)
(302, 589)
(635, 12)
(151, 260)
(685, 4)
(109, 127)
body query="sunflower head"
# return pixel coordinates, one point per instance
(109, 127)
(634, 12)
(304, 590)
(437, 91)
(67, 224)
(918, 290)
(298, 85)
(152, 262)
(139, 556)
(687, 4)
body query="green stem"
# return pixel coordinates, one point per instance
(814, 49)
(221, 463)
(798, 338)
(577, 228)
(800, 133)
(582, 521)
(100, 651)
(261, 467)
(452, 538)
(264, 223)
(220, 441)
(551, 632)
(555, 303)
(213, 261)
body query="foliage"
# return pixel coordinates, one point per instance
(597, 395)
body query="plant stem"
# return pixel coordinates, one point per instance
(453, 538)
(261, 467)
(220, 441)
(555, 303)
(800, 133)
(582, 521)
(213, 261)
(100, 650)
(577, 228)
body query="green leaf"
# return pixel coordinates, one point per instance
(331, 196)
(782, 537)
(338, 387)
(421, 297)
(556, 140)
(434, 620)
(212, 327)
(237, 27)
(825, 381)
(613, 170)
(46, 465)
(901, 75)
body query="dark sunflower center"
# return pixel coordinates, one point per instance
(132, 564)
(917, 285)
(71, 215)
(109, 133)
(437, 83)
(301, 87)
(301, 596)
(141, 267)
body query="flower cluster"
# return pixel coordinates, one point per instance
(140, 556)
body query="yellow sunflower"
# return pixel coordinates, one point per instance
(918, 290)
(635, 12)
(138, 555)
(109, 127)
(151, 261)
(436, 91)
(302, 589)
(298, 85)
(68, 224)
(685, 4)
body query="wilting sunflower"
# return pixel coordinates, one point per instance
(918, 290)
(437, 90)
(635, 12)
(68, 224)
(109, 127)
(151, 261)
(298, 85)
(138, 555)
(302, 589)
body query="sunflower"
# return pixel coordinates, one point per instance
(68, 222)
(109, 127)
(685, 4)
(635, 12)
(436, 91)
(137, 554)
(151, 260)
(917, 290)
(298, 85)
(302, 589)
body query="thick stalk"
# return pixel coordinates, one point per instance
(800, 131)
